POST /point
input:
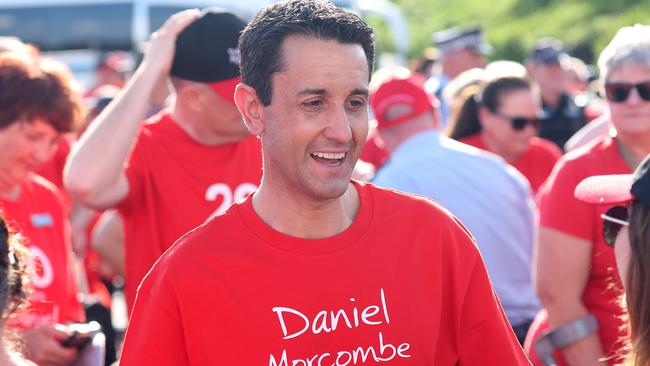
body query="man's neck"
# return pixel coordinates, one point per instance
(552, 99)
(633, 148)
(198, 130)
(296, 215)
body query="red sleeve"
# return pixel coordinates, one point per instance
(155, 334)
(559, 209)
(486, 337)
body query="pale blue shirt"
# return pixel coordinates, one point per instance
(491, 198)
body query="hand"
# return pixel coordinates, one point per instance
(43, 345)
(162, 45)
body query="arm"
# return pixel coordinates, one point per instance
(562, 267)
(93, 173)
(108, 240)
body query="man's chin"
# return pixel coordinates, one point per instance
(331, 190)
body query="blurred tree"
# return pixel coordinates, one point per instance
(512, 26)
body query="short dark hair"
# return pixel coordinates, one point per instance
(32, 88)
(261, 41)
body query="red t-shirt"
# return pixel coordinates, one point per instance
(39, 215)
(535, 164)
(403, 285)
(175, 184)
(560, 210)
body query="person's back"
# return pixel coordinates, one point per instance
(490, 197)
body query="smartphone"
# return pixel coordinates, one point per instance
(82, 334)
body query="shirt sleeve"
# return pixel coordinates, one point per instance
(559, 209)
(155, 333)
(486, 337)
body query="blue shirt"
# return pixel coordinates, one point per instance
(490, 197)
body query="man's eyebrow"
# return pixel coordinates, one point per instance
(360, 91)
(313, 91)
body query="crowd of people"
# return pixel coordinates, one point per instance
(268, 198)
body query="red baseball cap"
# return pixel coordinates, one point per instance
(617, 189)
(401, 90)
(225, 88)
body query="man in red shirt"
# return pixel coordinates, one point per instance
(170, 173)
(313, 268)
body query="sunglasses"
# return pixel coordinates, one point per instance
(619, 92)
(519, 123)
(614, 219)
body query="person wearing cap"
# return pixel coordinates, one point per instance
(168, 174)
(112, 69)
(547, 64)
(315, 268)
(490, 197)
(460, 50)
(626, 228)
(502, 116)
(576, 277)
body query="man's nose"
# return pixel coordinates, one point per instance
(338, 127)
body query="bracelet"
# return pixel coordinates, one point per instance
(563, 336)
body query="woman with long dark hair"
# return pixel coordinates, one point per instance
(502, 116)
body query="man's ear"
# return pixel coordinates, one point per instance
(250, 108)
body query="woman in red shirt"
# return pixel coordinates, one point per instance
(38, 103)
(502, 116)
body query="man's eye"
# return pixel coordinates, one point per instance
(313, 103)
(357, 103)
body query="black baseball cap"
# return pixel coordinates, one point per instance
(617, 189)
(206, 51)
(548, 51)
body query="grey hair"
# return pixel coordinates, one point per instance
(630, 46)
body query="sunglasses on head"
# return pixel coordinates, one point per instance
(619, 92)
(519, 123)
(614, 219)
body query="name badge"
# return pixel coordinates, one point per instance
(42, 220)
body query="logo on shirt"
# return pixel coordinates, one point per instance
(40, 220)
(228, 196)
(294, 323)
(40, 268)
